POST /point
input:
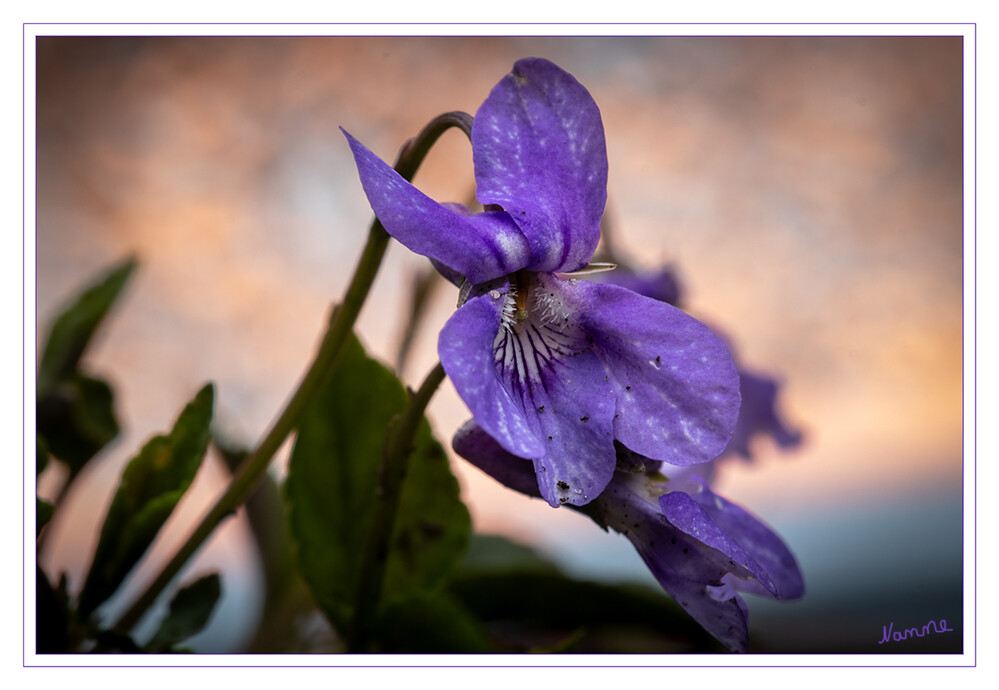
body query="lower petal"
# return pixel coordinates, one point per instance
(575, 408)
(465, 346)
(543, 361)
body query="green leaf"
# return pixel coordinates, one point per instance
(151, 486)
(190, 610)
(75, 326)
(76, 418)
(332, 485)
(431, 624)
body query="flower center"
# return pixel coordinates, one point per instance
(537, 331)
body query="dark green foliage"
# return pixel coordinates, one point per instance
(332, 488)
(151, 486)
(538, 611)
(431, 623)
(41, 454)
(76, 409)
(75, 326)
(190, 610)
(51, 615)
(491, 553)
(76, 418)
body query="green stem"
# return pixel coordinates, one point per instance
(328, 357)
(421, 286)
(395, 463)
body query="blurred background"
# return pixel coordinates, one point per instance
(808, 192)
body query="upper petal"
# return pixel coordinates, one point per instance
(480, 247)
(676, 386)
(539, 152)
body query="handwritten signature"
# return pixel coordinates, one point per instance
(891, 635)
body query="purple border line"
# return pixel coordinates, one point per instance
(973, 27)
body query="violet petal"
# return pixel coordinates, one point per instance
(482, 450)
(465, 346)
(694, 574)
(684, 513)
(767, 549)
(685, 567)
(539, 367)
(575, 415)
(480, 247)
(539, 153)
(676, 386)
(758, 415)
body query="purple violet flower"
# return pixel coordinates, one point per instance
(701, 548)
(553, 368)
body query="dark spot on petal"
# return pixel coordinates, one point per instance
(627, 388)
(607, 378)
(671, 541)
(562, 499)
(685, 549)
(549, 438)
(562, 485)
(584, 419)
(541, 409)
(658, 359)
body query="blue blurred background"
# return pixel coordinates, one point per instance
(808, 192)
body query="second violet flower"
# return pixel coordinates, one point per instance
(556, 369)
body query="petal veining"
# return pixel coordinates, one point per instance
(541, 357)
(465, 346)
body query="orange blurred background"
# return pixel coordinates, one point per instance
(808, 190)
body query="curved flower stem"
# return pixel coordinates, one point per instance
(395, 461)
(328, 357)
